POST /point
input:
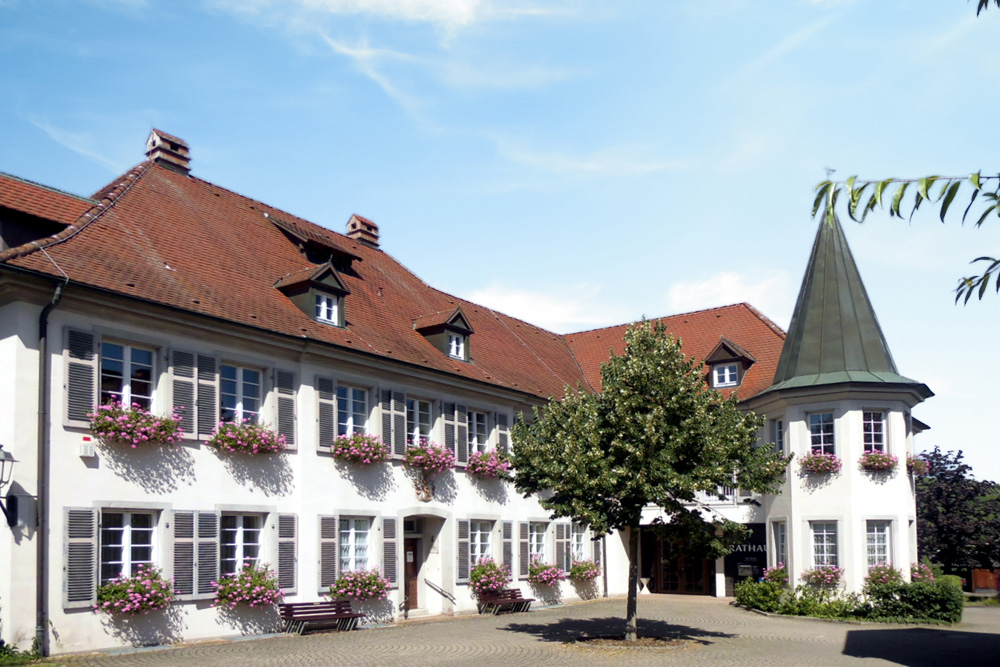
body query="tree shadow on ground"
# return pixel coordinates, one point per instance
(925, 647)
(154, 468)
(373, 482)
(571, 629)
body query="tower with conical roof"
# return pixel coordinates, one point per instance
(838, 400)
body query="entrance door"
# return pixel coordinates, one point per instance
(411, 571)
(678, 573)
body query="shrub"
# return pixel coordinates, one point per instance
(134, 426)
(918, 601)
(428, 457)
(360, 585)
(952, 580)
(488, 465)
(916, 465)
(820, 602)
(817, 463)
(143, 592)
(488, 577)
(543, 574)
(879, 461)
(921, 572)
(823, 575)
(882, 574)
(253, 586)
(762, 595)
(246, 437)
(776, 575)
(360, 449)
(584, 570)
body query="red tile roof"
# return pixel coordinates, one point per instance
(38, 200)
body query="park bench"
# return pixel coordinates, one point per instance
(509, 599)
(297, 615)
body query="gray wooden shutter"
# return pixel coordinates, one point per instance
(503, 432)
(385, 408)
(463, 553)
(449, 427)
(184, 560)
(284, 385)
(326, 390)
(398, 443)
(390, 560)
(562, 547)
(507, 536)
(287, 552)
(462, 433)
(80, 558)
(329, 551)
(81, 376)
(208, 396)
(524, 559)
(207, 558)
(183, 371)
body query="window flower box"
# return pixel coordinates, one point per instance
(883, 574)
(825, 576)
(878, 461)
(917, 466)
(246, 437)
(360, 449)
(584, 571)
(429, 458)
(488, 577)
(133, 426)
(143, 592)
(253, 586)
(777, 574)
(488, 465)
(360, 585)
(817, 463)
(544, 574)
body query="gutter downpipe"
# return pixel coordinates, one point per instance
(42, 545)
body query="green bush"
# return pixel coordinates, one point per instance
(953, 580)
(917, 601)
(762, 595)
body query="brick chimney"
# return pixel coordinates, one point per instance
(169, 151)
(363, 231)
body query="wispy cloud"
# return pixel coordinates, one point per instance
(367, 60)
(789, 44)
(562, 309)
(78, 142)
(770, 292)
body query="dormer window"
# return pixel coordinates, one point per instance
(328, 309)
(448, 331)
(456, 346)
(318, 292)
(728, 363)
(726, 375)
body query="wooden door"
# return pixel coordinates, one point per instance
(678, 573)
(411, 571)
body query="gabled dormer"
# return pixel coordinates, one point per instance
(316, 244)
(318, 291)
(727, 364)
(448, 331)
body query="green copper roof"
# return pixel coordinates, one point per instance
(835, 337)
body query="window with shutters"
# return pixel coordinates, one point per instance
(127, 539)
(239, 541)
(824, 535)
(127, 374)
(478, 431)
(352, 410)
(418, 420)
(821, 433)
(578, 542)
(874, 430)
(355, 544)
(479, 540)
(239, 394)
(536, 540)
(877, 543)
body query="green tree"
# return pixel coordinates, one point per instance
(958, 517)
(656, 434)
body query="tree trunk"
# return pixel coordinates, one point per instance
(631, 620)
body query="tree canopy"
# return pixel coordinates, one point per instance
(655, 435)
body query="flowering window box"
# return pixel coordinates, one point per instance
(818, 463)
(360, 449)
(826, 576)
(246, 437)
(584, 571)
(133, 426)
(488, 578)
(143, 592)
(544, 574)
(883, 574)
(253, 586)
(429, 458)
(488, 465)
(777, 574)
(879, 461)
(917, 466)
(360, 585)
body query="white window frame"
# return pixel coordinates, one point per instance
(416, 427)
(820, 439)
(243, 381)
(537, 531)
(726, 375)
(873, 431)
(578, 542)
(357, 538)
(779, 535)
(126, 396)
(349, 398)
(778, 435)
(878, 542)
(327, 308)
(480, 540)
(456, 346)
(127, 563)
(825, 543)
(244, 550)
(479, 431)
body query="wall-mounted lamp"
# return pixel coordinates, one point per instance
(9, 508)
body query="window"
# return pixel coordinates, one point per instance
(456, 346)
(578, 539)
(479, 540)
(239, 394)
(780, 537)
(478, 432)
(352, 410)
(874, 431)
(877, 543)
(536, 540)
(126, 542)
(821, 432)
(824, 542)
(126, 375)
(328, 309)
(778, 435)
(240, 541)
(725, 375)
(418, 420)
(355, 540)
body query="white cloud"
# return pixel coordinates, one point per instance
(563, 309)
(770, 292)
(787, 45)
(78, 142)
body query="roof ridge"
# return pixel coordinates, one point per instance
(28, 181)
(114, 192)
(767, 320)
(662, 317)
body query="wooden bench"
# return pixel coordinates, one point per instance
(297, 615)
(509, 599)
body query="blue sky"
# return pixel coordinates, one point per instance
(577, 163)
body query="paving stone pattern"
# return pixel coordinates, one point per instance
(717, 633)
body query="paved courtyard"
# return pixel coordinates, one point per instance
(718, 635)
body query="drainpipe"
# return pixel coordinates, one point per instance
(42, 543)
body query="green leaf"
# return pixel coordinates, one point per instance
(897, 199)
(972, 200)
(855, 200)
(952, 190)
(820, 195)
(918, 200)
(880, 188)
(850, 187)
(869, 207)
(985, 213)
(983, 284)
(923, 184)
(974, 179)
